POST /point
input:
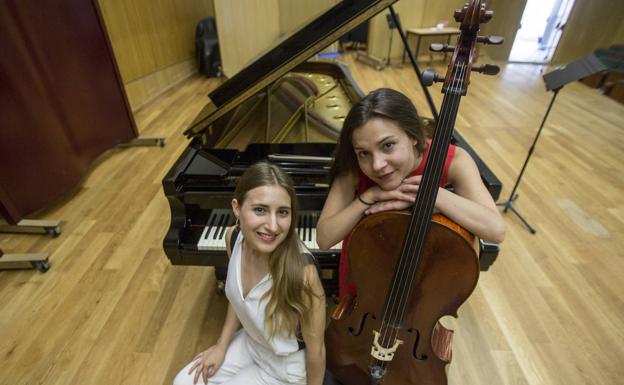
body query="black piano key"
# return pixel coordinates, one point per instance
(213, 218)
(219, 226)
(228, 222)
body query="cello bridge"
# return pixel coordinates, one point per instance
(381, 353)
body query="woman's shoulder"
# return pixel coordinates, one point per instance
(346, 183)
(349, 178)
(461, 157)
(462, 166)
(311, 277)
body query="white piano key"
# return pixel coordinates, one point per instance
(213, 240)
(201, 239)
(218, 242)
(204, 244)
(313, 244)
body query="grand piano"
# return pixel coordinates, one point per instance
(284, 109)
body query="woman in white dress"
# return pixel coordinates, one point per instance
(274, 293)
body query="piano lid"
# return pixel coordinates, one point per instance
(268, 68)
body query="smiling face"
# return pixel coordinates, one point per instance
(385, 153)
(265, 218)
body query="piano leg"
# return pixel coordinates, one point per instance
(220, 274)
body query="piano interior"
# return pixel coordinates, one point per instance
(299, 108)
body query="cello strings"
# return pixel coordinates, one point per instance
(435, 161)
(399, 286)
(454, 101)
(389, 338)
(414, 261)
(427, 193)
(406, 284)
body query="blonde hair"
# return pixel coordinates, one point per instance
(286, 301)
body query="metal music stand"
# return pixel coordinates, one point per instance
(392, 24)
(554, 81)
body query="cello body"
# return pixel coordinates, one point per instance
(445, 277)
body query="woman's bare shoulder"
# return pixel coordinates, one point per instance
(311, 277)
(348, 179)
(462, 165)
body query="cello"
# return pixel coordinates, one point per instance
(427, 264)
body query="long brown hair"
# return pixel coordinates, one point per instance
(287, 304)
(384, 103)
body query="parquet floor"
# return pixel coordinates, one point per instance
(112, 310)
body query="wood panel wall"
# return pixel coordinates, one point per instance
(154, 42)
(413, 14)
(246, 29)
(592, 24)
(618, 36)
(294, 14)
(505, 23)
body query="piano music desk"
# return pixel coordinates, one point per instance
(432, 31)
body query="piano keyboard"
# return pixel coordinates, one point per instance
(213, 236)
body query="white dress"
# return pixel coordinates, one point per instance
(252, 357)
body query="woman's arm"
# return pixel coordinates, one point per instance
(471, 205)
(208, 362)
(340, 213)
(313, 328)
(342, 210)
(230, 326)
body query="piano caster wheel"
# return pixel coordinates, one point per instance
(53, 231)
(220, 287)
(42, 266)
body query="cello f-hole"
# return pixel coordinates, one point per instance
(415, 347)
(361, 325)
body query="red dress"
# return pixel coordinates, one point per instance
(364, 183)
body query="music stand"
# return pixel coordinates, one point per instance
(392, 24)
(554, 81)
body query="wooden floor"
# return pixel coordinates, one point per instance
(112, 310)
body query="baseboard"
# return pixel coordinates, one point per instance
(141, 91)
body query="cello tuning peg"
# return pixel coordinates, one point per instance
(486, 69)
(489, 39)
(429, 77)
(460, 13)
(441, 48)
(486, 15)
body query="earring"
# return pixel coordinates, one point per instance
(237, 223)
